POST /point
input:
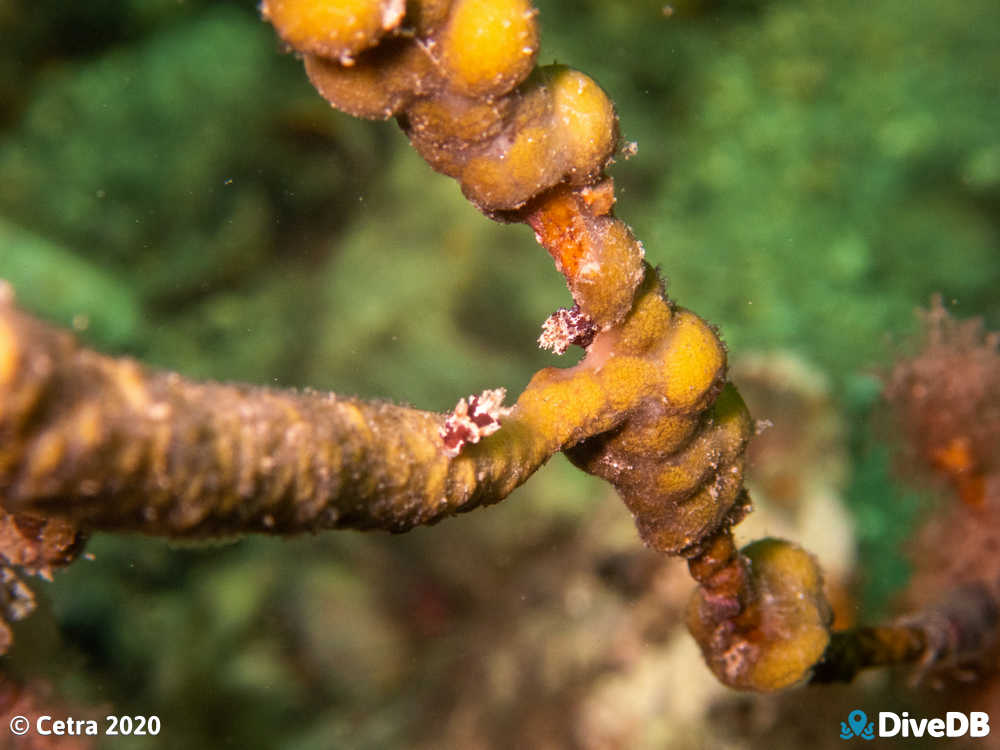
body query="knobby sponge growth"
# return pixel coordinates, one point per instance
(95, 443)
(649, 407)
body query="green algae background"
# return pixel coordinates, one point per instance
(807, 175)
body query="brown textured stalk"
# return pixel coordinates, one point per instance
(722, 573)
(852, 651)
(959, 630)
(109, 444)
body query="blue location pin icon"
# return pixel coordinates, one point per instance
(857, 719)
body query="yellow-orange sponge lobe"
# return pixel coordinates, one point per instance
(488, 46)
(507, 179)
(585, 119)
(694, 360)
(796, 624)
(379, 85)
(456, 123)
(338, 29)
(783, 632)
(8, 357)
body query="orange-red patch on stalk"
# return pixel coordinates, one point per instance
(562, 230)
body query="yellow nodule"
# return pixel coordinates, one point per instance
(489, 46)
(507, 179)
(585, 120)
(8, 355)
(337, 29)
(694, 359)
(796, 619)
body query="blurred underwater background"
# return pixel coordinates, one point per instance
(807, 176)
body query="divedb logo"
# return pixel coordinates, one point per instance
(954, 724)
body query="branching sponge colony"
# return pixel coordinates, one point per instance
(89, 442)
(648, 408)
